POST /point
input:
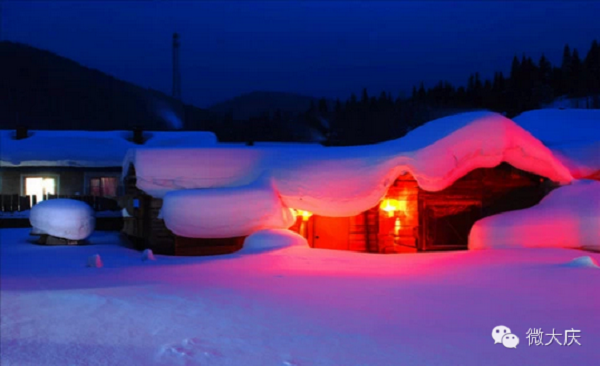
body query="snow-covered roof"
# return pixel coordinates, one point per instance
(340, 181)
(573, 135)
(87, 148)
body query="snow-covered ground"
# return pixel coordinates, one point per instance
(292, 306)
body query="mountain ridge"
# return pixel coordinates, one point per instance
(43, 90)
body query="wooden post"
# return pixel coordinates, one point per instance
(14, 203)
(25, 203)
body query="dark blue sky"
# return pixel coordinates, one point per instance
(324, 48)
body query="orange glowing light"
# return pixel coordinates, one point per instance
(305, 214)
(391, 205)
(397, 225)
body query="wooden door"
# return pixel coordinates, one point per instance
(446, 225)
(331, 232)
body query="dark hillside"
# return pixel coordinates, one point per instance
(41, 90)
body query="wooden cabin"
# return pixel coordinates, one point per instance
(146, 230)
(410, 219)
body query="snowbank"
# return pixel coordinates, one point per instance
(267, 240)
(573, 136)
(583, 262)
(569, 217)
(344, 181)
(63, 218)
(225, 212)
(87, 148)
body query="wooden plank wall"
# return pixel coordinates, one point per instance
(392, 239)
(160, 239)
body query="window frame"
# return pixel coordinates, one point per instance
(88, 176)
(40, 175)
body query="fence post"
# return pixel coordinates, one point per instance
(14, 203)
(25, 203)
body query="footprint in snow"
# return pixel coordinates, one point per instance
(190, 349)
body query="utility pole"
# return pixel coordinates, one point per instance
(0, 20)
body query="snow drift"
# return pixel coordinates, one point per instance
(225, 212)
(569, 217)
(63, 218)
(273, 239)
(343, 181)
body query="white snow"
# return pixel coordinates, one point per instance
(148, 255)
(225, 212)
(336, 181)
(569, 217)
(573, 135)
(292, 306)
(95, 261)
(583, 262)
(273, 239)
(86, 148)
(63, 218)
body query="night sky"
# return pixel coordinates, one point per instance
(325, 48)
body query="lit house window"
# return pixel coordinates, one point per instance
(40, 187)
(104, 186)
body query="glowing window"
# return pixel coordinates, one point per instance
(40, 187)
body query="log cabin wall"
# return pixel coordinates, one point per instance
(428, 220)
(144, 228)
(398, 230)
(356, 233)
(446, 217)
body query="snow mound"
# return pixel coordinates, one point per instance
(573, 136)
(344, 181)
(148, 255)
(273, 239)
(95, 261)
(63, 218)
(583, 262)
(225, 212)
(569, 217)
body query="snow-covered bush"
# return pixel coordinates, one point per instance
(63, 218)
(569, 217)
(267, 240)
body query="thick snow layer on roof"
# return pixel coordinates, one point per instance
(225, 212)
(63, 218)
(573, 135)
(344, 181)
(569, 217)
(86, 148)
